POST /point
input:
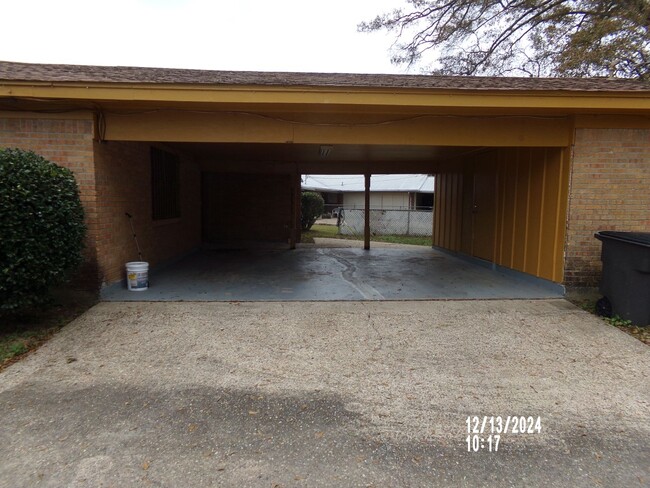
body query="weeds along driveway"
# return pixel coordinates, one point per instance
(327, 394)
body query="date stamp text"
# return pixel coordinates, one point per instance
(485, 433)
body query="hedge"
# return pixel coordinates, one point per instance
(42, 228)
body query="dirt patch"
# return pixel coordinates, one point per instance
(23, 334)
(586, 299)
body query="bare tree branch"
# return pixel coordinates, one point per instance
(525, 37)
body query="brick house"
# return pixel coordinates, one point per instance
(526, 169)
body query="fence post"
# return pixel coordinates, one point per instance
(408, 221)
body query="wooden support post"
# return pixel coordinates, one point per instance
(294, 231)
(298, 211)
(366, 227)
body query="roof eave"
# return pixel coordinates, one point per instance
(327, 95)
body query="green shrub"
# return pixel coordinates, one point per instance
(41, 228)
(312, 206)
(617, 321)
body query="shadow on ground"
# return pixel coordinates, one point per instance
(107, 435)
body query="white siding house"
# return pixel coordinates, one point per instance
(386, 191)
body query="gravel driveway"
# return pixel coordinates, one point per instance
(327, 394)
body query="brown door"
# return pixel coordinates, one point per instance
(484, 210)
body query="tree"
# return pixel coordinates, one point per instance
(41, 228)
(312, 206)
(522, 37)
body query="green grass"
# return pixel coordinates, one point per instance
(320, 230)
(331, 231)
(22, 334)
(413, 240)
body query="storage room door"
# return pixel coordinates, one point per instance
(484, 211)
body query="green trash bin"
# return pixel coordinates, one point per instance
(626, 274)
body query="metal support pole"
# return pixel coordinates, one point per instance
(294, 233)
(366, 227)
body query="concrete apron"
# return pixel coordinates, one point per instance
(316, 394)
(332, 274)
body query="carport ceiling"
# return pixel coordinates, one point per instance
(312, 153)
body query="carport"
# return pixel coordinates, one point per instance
(250, 227)
(500, 204)
(491, 196)
(212, 159)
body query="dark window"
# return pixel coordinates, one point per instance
(424, 201)
(165, 185)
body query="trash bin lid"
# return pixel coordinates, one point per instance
(638, 238)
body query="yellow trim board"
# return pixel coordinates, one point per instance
(387, 97)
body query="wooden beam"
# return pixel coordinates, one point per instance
(326, 167)
(362, 129)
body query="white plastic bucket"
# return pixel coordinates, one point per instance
(137, 275)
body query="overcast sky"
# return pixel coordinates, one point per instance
(266, 35)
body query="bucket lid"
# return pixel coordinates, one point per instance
(638, 238)
(137, 263)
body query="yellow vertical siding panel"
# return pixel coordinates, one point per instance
(443, 207)
(444, 230)
(549, 235)
(563, 202)
(496, 218)
(509, 191)
(515, 200)
(535, 203)
(523, 220)
(459, 208)
(543, 161)
(437, 205)
(466, 210)
(501, 162)
(434, 211)
(453, 221)
(521, 214)
(441, 212)
(448, 215)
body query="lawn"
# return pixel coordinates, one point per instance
(331, 231)
(22, 334)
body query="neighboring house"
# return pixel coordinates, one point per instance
(386, 191)
(526, 169)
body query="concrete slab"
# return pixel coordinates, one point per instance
(318, 273)
(313, 394)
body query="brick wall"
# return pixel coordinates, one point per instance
(113, 178)
(67, 142)
(610, 190)
(123, 175)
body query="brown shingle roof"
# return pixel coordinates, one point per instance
(10, 71)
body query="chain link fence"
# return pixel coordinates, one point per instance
(385, 222)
